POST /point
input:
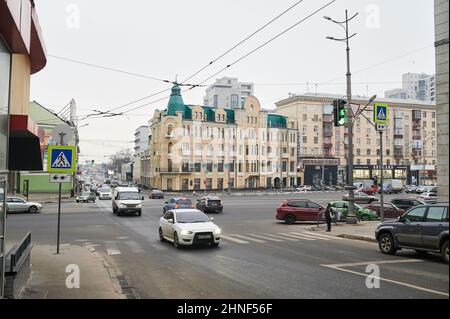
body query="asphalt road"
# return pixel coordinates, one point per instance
(258, 258)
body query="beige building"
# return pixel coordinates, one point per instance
(197, 147)
(409, 142)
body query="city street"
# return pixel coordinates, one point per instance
(258, 258)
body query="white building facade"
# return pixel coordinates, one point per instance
(228, 93)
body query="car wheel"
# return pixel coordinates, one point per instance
(33, 209)
(161, 236)
(215, 245)
(140, 214)
(289, 219)
(176, 242)
(444, 250)
(78, 201)
(386, 244)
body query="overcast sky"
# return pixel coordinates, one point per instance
(163, 39)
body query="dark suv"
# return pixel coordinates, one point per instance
(423, 228)
(210, 204)
(406, 203)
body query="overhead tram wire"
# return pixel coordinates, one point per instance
(244, 40)
(265, 43)
(238, 60)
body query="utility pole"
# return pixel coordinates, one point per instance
(382, 179)
(351, 217)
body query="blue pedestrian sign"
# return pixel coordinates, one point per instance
(381, 113)
(61, 159)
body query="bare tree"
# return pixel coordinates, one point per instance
(122, 157)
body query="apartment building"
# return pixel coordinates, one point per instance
(228, 93)
(197, 147)
(409, 142)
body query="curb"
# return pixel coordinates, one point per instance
(357, 237)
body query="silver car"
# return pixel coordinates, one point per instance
(16, 204)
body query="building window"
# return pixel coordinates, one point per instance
(169, 148)
(169, 129)
(305, 139)
(316, 140)
(197, 183)
(169, 184)
(198, 167)
(368, 152)
(185, 167)
(358, 152)
(305, 117)
(216, 100)
(209, 167)
(368, 161)
(220, 183)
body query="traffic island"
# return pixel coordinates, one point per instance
(364, 230)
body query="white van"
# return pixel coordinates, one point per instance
(127, 200)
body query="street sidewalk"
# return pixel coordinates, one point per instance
(364, 230)
(48, 274)
(46, 198)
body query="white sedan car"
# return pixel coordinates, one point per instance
(187, 227)
(16, 204)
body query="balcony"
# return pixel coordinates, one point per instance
(327, 145)
(416, 126)
(327, 133)
(327, 119)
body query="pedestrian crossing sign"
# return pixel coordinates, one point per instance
(61, 159)
(381, 113)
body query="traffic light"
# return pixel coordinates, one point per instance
(339, 112)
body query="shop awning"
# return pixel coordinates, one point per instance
(25, 144)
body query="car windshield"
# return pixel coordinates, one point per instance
(129, 195)
(85, 194)
(184, 201)
(156, 191)
(192, 217)
(104, 190)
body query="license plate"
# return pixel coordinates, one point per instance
(204, 236)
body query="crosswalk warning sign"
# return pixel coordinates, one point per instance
(61, 159)
(381, 113)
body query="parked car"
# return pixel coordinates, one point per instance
(127, 200)
(104, 193)
(16, 204)
(303, 188)
(210, 204)
(422, 228)
(425, 188)
(361, 213)
(410, 189)
(177, 203)
(390, 210)
(156, 193)
(361, 198)
(187, 227)
(406, 203)
(293, 210)
(428, 197)
(86, 197)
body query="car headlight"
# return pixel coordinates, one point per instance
(122, 205)
(139, 205)
(186, 232)
(217, 231)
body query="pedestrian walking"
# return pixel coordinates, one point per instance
(328, 212)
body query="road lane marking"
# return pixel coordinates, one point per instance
(380, 262)
(388, 280)
(234, 240)
(249, 238)
(282, 237)
(309, 236)
(324, 236)
(265, 237)
(296, 236)
(122, 237)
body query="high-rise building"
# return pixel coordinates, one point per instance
(204, 148)
(415, 86)
(420, 86)
(441, 45)
(228, 93)
(141, 140)
(409, 142)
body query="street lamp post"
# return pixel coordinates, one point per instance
(351, 217)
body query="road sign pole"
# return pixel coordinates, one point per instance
(382, 179)
(59, 220)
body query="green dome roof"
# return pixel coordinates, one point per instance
(176, 103)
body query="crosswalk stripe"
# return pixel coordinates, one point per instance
(135, 247)
(296, 236)
(309, 236)
(265, 237)
(282, 237)
(234, 240)
(249, 238)
(325, 236)
(112, 249)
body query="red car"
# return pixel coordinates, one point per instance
(369, 191)
(390, 210)
(293, 210)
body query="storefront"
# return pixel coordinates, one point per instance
(365, 172)
(422, 174)
(318, 169)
